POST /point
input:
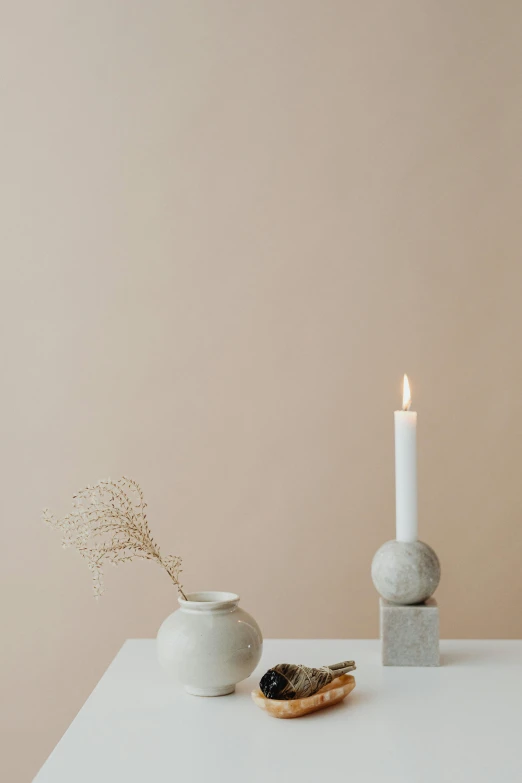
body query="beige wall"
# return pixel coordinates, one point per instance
(227, 229)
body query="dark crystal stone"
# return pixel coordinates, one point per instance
(271, 684)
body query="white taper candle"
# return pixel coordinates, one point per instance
(406, 469)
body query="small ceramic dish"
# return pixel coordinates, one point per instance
(332, 693)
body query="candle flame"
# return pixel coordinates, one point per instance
(406, 394)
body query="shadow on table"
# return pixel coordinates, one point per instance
(464, 658)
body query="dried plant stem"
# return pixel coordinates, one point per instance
(108, 524)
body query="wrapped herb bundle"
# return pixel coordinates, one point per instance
(294, 681)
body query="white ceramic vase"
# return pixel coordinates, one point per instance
(209, 644)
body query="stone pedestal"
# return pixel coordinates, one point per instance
(410, 634)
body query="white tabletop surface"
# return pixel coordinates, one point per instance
(460, 722)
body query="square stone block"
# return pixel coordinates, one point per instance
(410, 634)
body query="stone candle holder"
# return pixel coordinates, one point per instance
(406, 574)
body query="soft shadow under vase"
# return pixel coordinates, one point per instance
(209, 644)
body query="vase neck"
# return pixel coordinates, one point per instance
(209, 602)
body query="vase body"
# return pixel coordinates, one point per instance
(209, 644)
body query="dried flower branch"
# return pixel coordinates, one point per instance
(108, 524)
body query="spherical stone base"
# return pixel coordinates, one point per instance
(405, 572)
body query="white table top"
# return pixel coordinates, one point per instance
(460, 722)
